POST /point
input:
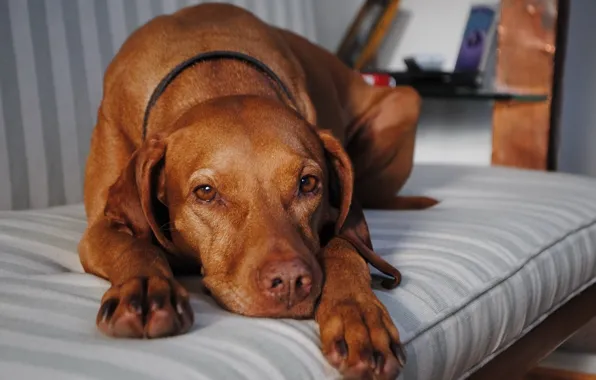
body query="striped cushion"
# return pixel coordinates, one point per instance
(503, 250)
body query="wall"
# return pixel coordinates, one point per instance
(577, 153)
(421, 31)
(450, 131)
(577, 142)
(416, 29)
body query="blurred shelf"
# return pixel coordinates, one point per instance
(473, 94)
(449, 85)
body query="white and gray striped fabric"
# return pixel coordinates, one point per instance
(53, 54)
(502, 251)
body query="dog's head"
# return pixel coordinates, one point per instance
(248, 189)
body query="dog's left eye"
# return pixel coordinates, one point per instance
(309, 184)
(205, 193)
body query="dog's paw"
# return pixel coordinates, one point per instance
(360, 340)
(145, 307)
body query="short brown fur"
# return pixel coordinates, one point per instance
(217, 185)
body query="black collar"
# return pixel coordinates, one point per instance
(209, 56)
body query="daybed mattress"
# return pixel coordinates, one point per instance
(502, 251)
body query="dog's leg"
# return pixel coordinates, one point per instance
(357, 334)
(144, 300)
(381, 146)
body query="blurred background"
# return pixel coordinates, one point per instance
(54, 53)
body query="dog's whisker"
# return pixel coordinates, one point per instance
(166, 225)
(169, 226)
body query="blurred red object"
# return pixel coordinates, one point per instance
(379, 79)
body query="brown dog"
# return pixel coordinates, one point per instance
(243, 175)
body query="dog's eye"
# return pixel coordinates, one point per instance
(205, 193)
(308, 184)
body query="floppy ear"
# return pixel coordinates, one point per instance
(341, 177)
(350, 223)
(132, 205)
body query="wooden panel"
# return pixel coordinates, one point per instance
(517, 360)
(525, 61)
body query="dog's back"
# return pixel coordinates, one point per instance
(157, 47)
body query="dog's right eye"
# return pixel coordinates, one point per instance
(308, 184)
(205, 193)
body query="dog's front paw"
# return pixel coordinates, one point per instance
(359, 338)
(145, 307)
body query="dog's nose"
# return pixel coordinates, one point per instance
(288, 282)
